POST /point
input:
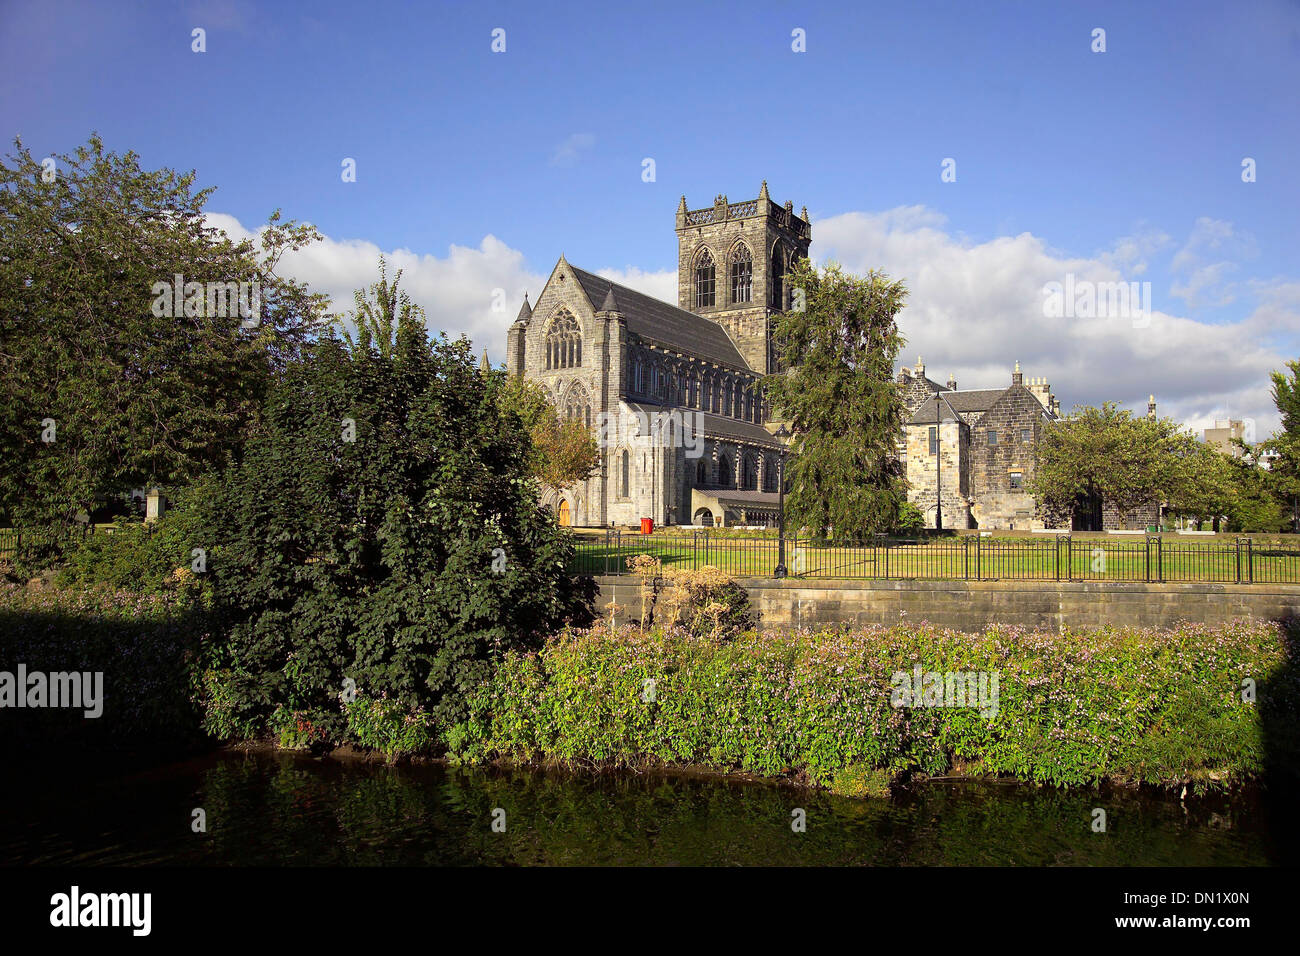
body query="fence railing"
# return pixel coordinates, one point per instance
(12, 539)
(969, 558)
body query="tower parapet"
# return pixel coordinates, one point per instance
(732, 262)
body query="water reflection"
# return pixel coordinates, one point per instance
(269, 809)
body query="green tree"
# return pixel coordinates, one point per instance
(1124, 460)
(105, 382)
(1284, 471)
(563, 451)
(837, 393)
(382, 315)
(383, 527)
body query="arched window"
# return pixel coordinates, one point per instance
(640, 376)
(701, 474)
(776, 288)
(577, 404)
(739, 405)
(749, 474)
(563, 342)
(704, 280)
(742, 273)
(724, 472)
(627, 468)
(726, 399)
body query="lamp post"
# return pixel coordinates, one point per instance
(781, 434)
(938, 467)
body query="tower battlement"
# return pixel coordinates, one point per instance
(732, 260)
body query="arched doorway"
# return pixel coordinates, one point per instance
(704, 517)
(565, 518)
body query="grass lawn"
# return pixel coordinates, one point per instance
(956, 558)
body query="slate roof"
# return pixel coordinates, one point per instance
(654, 321)
(768, 498)
(968, 400)
(717, 426)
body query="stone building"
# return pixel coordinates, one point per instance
(971, 453)
(671, 391)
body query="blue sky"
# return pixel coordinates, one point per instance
(475, 169)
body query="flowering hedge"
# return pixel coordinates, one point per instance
(1151, 706)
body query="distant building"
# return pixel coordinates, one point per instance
(972, 453)
(1222, 435)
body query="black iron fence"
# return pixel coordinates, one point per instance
(970, 558)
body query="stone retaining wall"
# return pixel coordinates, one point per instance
(970, 605)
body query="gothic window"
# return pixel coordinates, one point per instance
(724, 472)
(701, 474)
(740, 401)
(776, 288)
(726, 399)
(704, 280)
(563, 342)
(749, 475)
(742, 274)
(627, 467)
(577, 404)
(640, 376)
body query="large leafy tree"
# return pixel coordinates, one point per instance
(836, 390)
(563, 451)
(382, 526)
(1126, 461)
(99, 392)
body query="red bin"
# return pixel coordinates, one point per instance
(647, 525)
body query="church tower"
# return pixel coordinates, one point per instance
(732, 260)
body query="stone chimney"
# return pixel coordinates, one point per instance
(1016, 377)
(920, 368)
(1039, 388)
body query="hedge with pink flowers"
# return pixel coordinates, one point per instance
(1210, 706)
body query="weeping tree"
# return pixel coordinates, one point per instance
(836, 392)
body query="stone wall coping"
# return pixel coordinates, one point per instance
(912, 584)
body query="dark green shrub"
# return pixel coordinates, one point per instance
(382, 528)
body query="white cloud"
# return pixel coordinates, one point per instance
(1211, 254)
(662, 285)
(457, 291)
(977, 308)
(566, 154)
(974, 309)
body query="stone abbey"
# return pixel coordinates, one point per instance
(627, 363)
(614, 356)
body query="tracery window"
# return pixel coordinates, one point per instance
(577, 404)
(704, 280)
(563, 342)
(742, 274)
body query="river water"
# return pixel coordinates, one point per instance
(283, 808)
